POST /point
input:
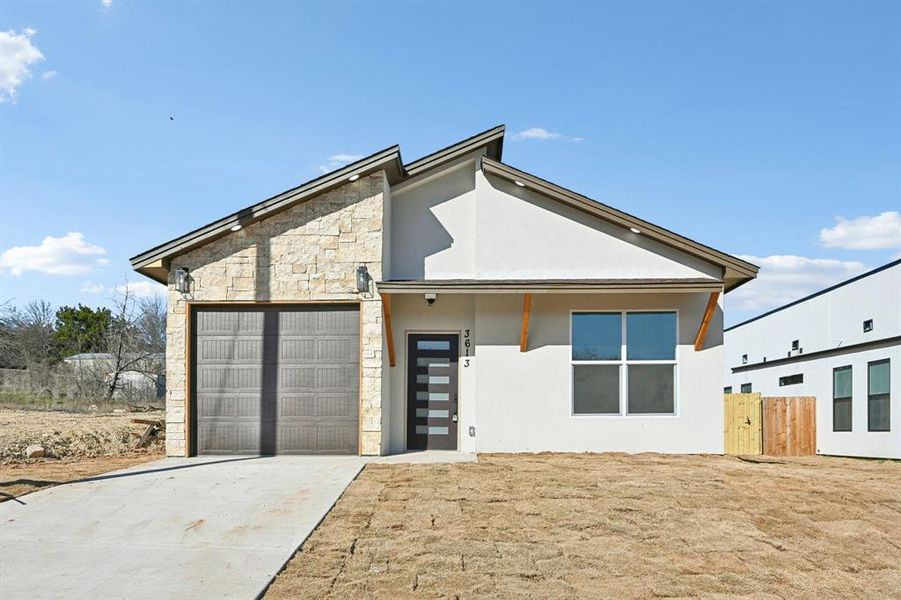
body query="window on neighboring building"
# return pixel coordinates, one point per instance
(796, 344)
(841, 399)
(746, 388)
(791, 379)
(878, 396)
(624, 361)
(868, 325)
(727, 389)
(744, 359)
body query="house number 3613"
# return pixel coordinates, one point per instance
(467, 344)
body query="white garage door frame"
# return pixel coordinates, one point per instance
(190, 399)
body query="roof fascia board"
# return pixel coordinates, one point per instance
(387, 160)
(520, 287)
(423, 178)
(618, 217)
(494, 135)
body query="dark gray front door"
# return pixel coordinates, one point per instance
(432, 391)
(276, 379)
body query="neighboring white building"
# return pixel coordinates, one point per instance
(452, 302)
(842, 345)
(146, 376)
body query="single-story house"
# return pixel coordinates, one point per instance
(452, 302)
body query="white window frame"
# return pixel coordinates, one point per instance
(623, 364)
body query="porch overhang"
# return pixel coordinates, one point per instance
(548, 286)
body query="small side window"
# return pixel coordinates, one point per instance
(746, 388)
(868, 325)
(727, 389)
(744, 359)
(796, 344)
(791, 380)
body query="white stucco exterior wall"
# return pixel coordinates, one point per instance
(521, 402)
(465, 225)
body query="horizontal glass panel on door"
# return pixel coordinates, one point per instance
(440, 362)
(433, 345)
(433, 412)
(433, 396)
(433, 379)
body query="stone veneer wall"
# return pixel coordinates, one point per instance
(308, 252)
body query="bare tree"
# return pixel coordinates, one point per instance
(133, 340)
(26, 335)
(151, 322)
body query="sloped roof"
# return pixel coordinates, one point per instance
(736, 270)
(154, 263)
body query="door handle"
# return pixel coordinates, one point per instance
(454, 418)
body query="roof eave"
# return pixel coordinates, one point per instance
(738, 268)
(492, 140)
(574, 286)
(387, 160)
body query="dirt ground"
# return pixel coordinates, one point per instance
(70, 434)
(20, 478)
(611, 526)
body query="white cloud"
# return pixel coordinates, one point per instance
(336, 161)
(783, 279)
(92, 288)
(141, 289)
(106, 3)
(542, 134)
(864, 233)
(66, 255)
(48, 75)
(17, 54)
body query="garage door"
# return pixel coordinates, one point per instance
(276, 379)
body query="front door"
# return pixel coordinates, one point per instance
(432, 391)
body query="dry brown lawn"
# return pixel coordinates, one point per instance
(20, 478)
(615, 526)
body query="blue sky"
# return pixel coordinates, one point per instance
(768, 130)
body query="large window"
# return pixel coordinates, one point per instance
(841, 399)
(624, 362)
(878, 396)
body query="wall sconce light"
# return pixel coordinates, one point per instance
(362, 279)
(430, 299)
(182, 281)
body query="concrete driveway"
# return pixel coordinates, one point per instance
(177, 528)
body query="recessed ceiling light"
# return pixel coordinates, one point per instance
(634, 229)
(519, 183)
(236, 228)
(353, 177)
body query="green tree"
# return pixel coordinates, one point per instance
(81, 329)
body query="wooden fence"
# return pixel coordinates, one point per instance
(790, 426)
(743, 426)
(773, 426)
